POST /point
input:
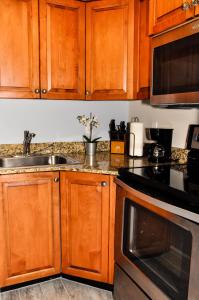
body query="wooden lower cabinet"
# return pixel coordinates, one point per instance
(29, 227)
(87, 222)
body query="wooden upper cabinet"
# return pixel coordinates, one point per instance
(144, 52)
(167, 14)
(57, 49)
(62, 44)
(19, 49)
(110, 50)
(197, 10)
(29, 227)
(85, 225)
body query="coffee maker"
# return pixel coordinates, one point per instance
(159, 147)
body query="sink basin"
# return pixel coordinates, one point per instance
(35, 160)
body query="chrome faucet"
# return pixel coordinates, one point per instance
(27, 141)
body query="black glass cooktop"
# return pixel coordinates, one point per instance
(177, 184)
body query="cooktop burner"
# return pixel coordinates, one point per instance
(175, 184)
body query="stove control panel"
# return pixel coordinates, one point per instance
(193, 137)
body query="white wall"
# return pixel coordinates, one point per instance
(55, 120)
(178, 119)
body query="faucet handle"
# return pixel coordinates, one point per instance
(28, 135)
(32, 135)
(27, 140)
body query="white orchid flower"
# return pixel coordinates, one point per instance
(90, 123)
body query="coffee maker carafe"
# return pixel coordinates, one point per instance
(161, 148)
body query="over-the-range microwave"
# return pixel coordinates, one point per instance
(175, 66)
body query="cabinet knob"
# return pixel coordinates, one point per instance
(44, 91)
(104, 183)
(186, 5)
(56, 179)
(88, 93)
(37, 91)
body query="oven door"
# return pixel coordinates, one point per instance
(175, 68)
(156, 248)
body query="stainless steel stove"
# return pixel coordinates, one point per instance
(157, 230)
(175, 185)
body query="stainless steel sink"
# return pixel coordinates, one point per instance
(35, 160)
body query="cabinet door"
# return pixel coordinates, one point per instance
(29, 227)
(144, 53)
(197, 10)
(62, 42)
(85, 225)
(109, 49)
(167, 14)
(19, 49)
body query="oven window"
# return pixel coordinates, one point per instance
(176, 67)
(159, 248)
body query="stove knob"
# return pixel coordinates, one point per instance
(196, 138)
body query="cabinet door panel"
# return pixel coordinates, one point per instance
(167, 14)
(85, 225)
(62, 49)
(197, 10)
(19, 49)
(109, 49)
(30, 222)
(144, 52)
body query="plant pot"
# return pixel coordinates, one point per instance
(90, 148)
(90, 161)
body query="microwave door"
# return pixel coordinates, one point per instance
(175, 74)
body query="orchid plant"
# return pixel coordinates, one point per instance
(90, 123)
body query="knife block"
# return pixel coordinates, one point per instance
(119, 146)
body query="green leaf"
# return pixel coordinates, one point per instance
(87, 139)
(94, 140)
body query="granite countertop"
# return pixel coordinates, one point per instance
(101, 163)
